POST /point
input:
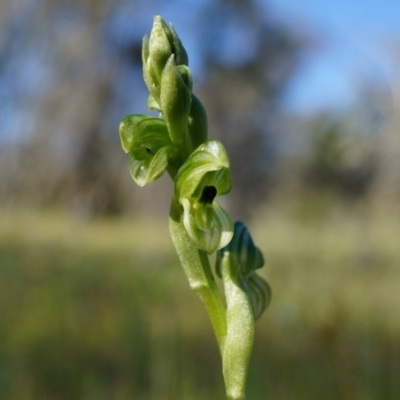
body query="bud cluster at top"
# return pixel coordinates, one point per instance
(176, 141)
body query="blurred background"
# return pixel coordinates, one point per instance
(306, 98)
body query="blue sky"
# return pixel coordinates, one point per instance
(353, 39)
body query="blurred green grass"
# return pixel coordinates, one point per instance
(101, 310)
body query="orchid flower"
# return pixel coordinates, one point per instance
(204, 176)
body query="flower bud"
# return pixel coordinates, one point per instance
(245, 258)
(156, 51)
(160, 49)
(175, 102)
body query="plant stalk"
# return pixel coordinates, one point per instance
(240, 332)
(197, 268)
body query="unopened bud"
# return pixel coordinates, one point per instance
(175, 101)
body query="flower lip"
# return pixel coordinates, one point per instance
(208, 194)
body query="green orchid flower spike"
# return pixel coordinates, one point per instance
(177, 142)
(203, 176)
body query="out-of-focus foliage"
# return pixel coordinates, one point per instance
(349, 155)
(339, 161)
(70, 70)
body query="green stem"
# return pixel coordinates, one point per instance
(240, 333)
(196, 265)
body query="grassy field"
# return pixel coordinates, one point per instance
(101, 310)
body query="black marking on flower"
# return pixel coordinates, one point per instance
(208, 194)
